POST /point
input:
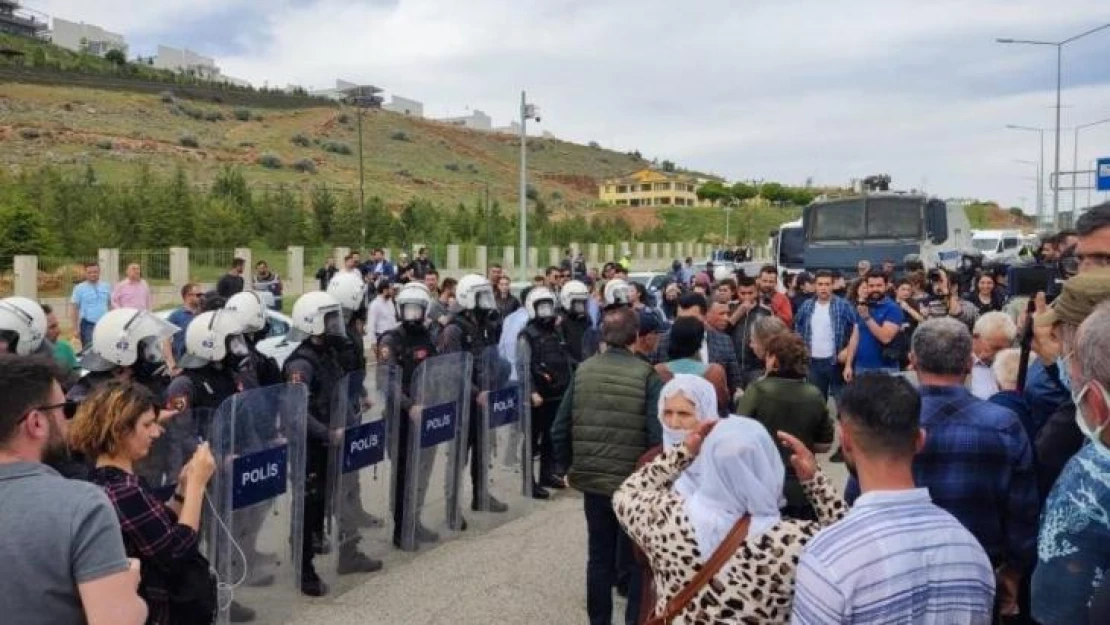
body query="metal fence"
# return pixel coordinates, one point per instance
(154, 264)
(57, 275)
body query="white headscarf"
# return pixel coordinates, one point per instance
(741, 473)
(700, 392)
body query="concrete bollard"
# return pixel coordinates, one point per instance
(26, 278)
(294, 269)
(179, 266)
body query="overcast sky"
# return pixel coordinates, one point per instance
(775, 89)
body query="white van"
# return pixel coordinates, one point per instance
(997, 244)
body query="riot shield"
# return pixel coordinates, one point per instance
(433, 450)
(359, 474)
(254, 537)
(503, 452)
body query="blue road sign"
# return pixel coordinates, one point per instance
(1102, 174)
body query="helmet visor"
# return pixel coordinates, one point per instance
(145, 325)
(411, 311)
(485, 299)
(237, 346)
(334, 325)
(545, 309)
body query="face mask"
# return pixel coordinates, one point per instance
(1065, 375)
(1093, 434)
(545, 310)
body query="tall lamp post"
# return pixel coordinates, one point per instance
(1059, 45)
(527, 111)
(1040, 171)
(1075, 165)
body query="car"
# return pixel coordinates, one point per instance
(275, 345)
(653, 281)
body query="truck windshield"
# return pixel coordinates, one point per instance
(985, 245)
(875, 218)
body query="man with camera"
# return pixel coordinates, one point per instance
(878, 326)
(946, 300)
(769, 295)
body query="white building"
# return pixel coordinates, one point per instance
(89, 38)
(477, 120)
(404, 106)
(186, 61)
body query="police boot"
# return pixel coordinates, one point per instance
(539, 492)
(354, 561)
(311, 584)
(239, 613)
(364, 520)
(494, 505)
(425, 535)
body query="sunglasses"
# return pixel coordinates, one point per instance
(68, 408)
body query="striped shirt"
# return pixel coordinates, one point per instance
(895, 558)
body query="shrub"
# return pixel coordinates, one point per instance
(258, 117)
(451, 167)
(30, 133)
(246, 144)
(213, 116)
(189, 111)
(104, 144)
(269, 161)
(404, 173)
(243, 114)
(167, 97)
(399, 135)
(344, 119)
(305, 166)
(188, 141)
(301, 140)
(337, 148)
(471, 168)
(595, 145)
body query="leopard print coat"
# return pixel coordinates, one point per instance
(756, 586)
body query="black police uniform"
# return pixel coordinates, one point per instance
(469, 332)
(577, 331)
(317, 366)
(551, 369)
(404, 347)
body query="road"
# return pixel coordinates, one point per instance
(531, 570)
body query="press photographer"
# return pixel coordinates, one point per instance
(945, 300)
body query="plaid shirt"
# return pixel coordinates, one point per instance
(978, 465)
(151, 534)
(843, 320)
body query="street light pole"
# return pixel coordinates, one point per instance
(1059, 83)
(728, 231)
(1040, 169)
(527, 111)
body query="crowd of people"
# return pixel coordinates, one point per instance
(974, 427)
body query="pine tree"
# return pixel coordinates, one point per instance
(323, 209)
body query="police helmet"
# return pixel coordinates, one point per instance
(617, 293)
(247, 309)
(540, 303)
(412, 303)
(126, 336)
(475, 292)
(349, 289)
(22, 325)
(211, 337)
(317, 313)
(573, 296)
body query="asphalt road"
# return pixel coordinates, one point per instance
(531, 570)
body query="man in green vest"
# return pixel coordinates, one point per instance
(606, 421)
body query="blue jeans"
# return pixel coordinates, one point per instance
(827, 376)
(606, 557)
(86, 332)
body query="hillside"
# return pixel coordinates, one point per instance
(118, 131)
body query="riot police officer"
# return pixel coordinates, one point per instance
(126, 343)
(257, 370)
(550, 371)
(617, 293)
(475, 327)
(574, 320)
(318, 324)
(23, 328)
(349, 289)
(214, 351)
(406, 347)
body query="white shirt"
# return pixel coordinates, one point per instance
(822, 344)
(381, 317)
(983, 384)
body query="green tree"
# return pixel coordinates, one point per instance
(774, 192)
(348, 222)
(667, 166)
(323, 209)
(219, 224)
(23, 230)
(743, 191)
(801, 196)
(115, 57)
(714, 191)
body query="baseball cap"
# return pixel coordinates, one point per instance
(649, 323)
(1079, 298)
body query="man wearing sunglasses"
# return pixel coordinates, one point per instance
(60, 535)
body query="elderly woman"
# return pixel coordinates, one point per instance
(117, 425)
(785, 401)
(739, 477)
(685, 402)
